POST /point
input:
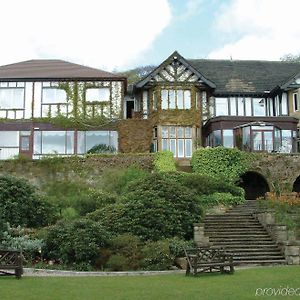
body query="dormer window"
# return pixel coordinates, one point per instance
(175, 99)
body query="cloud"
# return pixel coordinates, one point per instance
(105, 34)
(192, 8)
(258, 29)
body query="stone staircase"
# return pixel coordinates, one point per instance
(240, 233)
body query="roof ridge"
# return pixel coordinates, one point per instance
(242, 60)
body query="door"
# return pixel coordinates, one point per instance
(262, 140)
(25, 148)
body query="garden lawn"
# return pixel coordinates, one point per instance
(242, 285)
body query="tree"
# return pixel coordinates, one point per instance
(138, 73)
(291, 57)
(21, 205)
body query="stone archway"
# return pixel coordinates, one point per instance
(254, 184)
(296, 185)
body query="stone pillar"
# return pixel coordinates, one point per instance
(292, 252)
(199, 237)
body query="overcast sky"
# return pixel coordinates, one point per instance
(121, 34)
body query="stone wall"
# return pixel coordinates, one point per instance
(72, 168)
(280, 170)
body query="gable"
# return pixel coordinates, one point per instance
(175, 69)
(292, 83)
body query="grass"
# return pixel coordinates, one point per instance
(241, 285)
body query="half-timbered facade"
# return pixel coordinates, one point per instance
(39, 97)
(54, 107)
(251, 105)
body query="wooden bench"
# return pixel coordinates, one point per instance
(11, 263)
(208, 259)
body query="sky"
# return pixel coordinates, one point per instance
(118, 35)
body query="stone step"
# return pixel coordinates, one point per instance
(239, 242)
(234, 230)
(231, 222)
(233, 216)
(239, 247)
(231, 228)
(262, 235)
(257, 254)
(260, 262)
(258, 257)
(240, 239)
(235, 225)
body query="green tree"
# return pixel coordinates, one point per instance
(291, 57)
(21, 205)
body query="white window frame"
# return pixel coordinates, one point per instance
(106, 90)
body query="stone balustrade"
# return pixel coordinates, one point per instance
(285, 238)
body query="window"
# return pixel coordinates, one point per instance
(248, 108)
(172, 99)
(53, 142)
(240, 106)
(97, 95)
(154, 100)
(259, 107)
(232, 106)
(221, 106)
(24, 143)
(228, 138)
(88, 139)
(178, 140)
(287, 141)
(222, 137)
(9, 139)
(295, 101)
(11, 98)
(53, 95)
(284, 104)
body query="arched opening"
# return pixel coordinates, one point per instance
(296, 185)
(254, 184)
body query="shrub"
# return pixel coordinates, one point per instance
(20, 205)
(117, 262)
(129, 247)
(65, 193)
(116, 180)
(157, 256)
(177, 246)
(221, 162)
(101, 148)
(160, 255)
(19, 238)
(112, 217)
(220, 198)
(93, 200)
(164, 161)
(77, 241)
(204, 184)
(154, 208)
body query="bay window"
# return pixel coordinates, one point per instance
(175, 99)
(178, 140)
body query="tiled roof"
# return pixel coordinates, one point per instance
(52, 69)
(233, 76)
